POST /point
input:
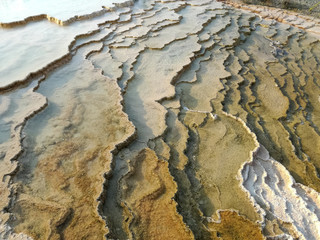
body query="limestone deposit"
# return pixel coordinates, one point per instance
(172, 119)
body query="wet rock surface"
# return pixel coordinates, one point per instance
(162, 119)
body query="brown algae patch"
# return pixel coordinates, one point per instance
(232, 226)
(65, 194)
(147, 192)
(62, 170)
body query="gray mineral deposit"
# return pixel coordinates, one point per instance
(158, 119)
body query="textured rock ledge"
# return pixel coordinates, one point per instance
(191, 113)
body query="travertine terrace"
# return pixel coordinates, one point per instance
(189, 119)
